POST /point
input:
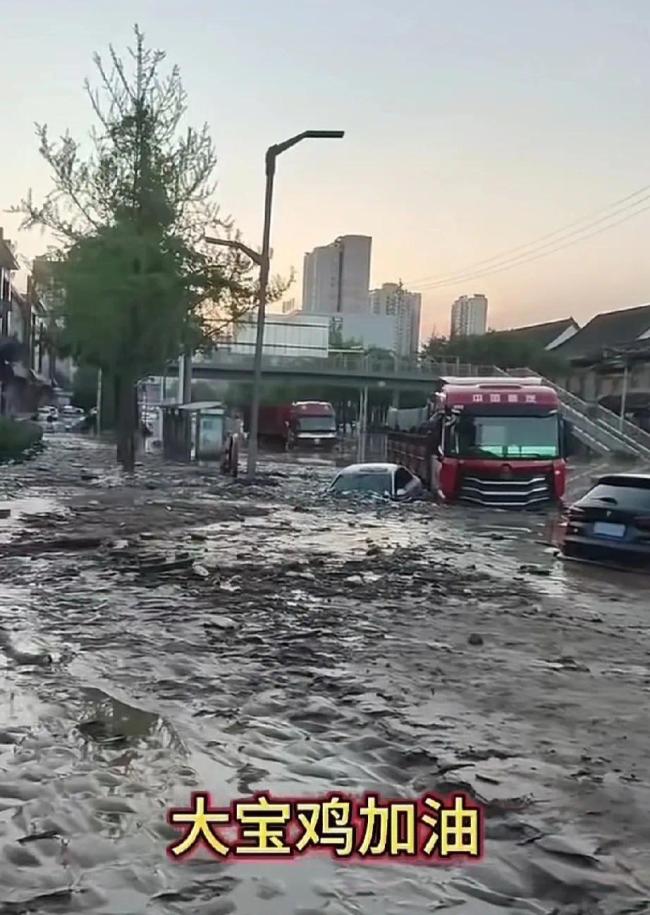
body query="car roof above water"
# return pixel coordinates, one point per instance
(641, 480)
(369, 468)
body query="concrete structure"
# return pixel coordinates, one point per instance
(295, 334)
(405, 309)
(42, 290)
(26, 363)
(336, 277)
(469, 315)
(8, 265)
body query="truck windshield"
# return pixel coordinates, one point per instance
(316, 424)
(513, 437)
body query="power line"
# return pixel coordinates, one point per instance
(550, 237)
(532, 256)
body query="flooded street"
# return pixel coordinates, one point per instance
(240, 638)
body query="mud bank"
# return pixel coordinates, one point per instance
(308, 647)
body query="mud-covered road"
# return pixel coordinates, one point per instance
(302, 647)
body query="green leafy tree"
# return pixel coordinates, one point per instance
(84, 387)
(137, 284)
(497, 349)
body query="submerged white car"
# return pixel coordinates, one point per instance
(390, 481)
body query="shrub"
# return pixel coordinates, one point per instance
(18, 439)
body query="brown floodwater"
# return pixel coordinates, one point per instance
(316, 646)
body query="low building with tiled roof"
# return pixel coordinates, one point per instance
(609, 329)
(610, 362)
(548, 336)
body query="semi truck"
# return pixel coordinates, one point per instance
(491, 441)
(305, 423)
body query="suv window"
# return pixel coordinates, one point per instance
(402, 478)
(629, 498)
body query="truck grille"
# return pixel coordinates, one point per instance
(521, 491)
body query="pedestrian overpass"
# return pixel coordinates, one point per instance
(337, 369)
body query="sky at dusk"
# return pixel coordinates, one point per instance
(472, 129)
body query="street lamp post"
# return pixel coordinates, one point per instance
(272, 154)
(621, 419)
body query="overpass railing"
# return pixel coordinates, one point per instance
(343, 363)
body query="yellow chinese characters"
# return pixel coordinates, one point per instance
(454, 831)
(327, 823)
(199, 820)
(368, 828)
(263, 824)
(388, 829)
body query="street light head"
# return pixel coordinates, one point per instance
(325, 134)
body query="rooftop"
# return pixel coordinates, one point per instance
(607, 330)
(541, 334)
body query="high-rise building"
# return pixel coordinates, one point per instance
(336, 277)
(469, 315)
(405, 308)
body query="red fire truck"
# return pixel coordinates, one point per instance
(305, 423)
(490, 441)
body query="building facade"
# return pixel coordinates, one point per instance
(469, 316)
(296, 335)
(368, 330)
(336, 277)
(60, 370)
(405, 309)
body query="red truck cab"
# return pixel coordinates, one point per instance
(312, 424)
(301, 424)
(492, 442)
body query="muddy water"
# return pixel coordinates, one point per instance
(326, 648)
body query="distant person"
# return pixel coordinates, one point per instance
(230, 458)
(90, 421)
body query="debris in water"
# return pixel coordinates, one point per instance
(221, 622)
(37, 836)
(534, 570)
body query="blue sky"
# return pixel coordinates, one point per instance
(471, 127)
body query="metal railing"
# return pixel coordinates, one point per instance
(353, 363)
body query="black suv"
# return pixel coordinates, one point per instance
(612, 521)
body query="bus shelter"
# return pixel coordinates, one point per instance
(194, 431)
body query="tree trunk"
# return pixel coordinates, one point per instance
(127, 421)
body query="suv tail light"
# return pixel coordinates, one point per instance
(642, 522)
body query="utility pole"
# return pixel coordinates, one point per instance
(626, 371)
(100, 394)
(362, 424)
(272, 154)
(184, 393)
(186, 390)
